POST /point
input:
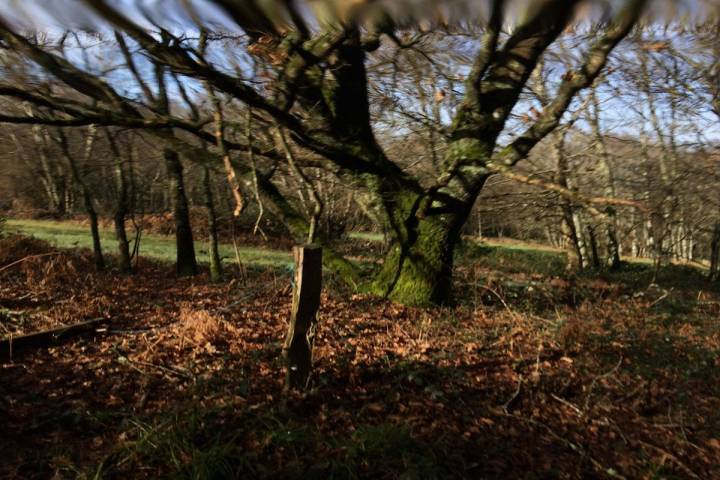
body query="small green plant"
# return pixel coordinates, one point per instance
(377, 450)
(182, 447)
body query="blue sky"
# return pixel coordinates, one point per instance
(59, 14)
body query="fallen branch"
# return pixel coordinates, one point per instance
(672, 457)
(29, 257)
(507, 406)
(610, 472)
(167, 370)
(46, 338)
(597, 379)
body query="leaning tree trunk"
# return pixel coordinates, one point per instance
(87, 199)
(92, 217)
(715, 253)
(186, 263)
(121, 210)
(612, 260)
(215, 262)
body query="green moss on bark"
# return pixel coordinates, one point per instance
(419, 272)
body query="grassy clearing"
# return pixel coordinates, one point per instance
(503, 255)
(157, 247)
(514, 258)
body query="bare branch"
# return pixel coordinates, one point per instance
(573, 82)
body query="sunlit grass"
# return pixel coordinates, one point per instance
(367, 236)
(156, 247)
(499, 253)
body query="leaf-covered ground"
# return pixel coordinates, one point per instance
(529, 376)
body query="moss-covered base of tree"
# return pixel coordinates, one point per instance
(414, 288)
(419, 275)
(346, 271)
(216, 275)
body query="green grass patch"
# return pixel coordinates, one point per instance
(199, 445)
(514, 258)
(367, 236)
(374, 451)
(183, 446)
(640, 274)
(157, 247)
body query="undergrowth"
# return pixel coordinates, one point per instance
(213, 444)
(530, 375)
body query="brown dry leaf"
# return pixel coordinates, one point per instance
(375, 407)
(656, 46)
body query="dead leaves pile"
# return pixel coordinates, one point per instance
(595, 390)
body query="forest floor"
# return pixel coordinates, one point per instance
(530, 375)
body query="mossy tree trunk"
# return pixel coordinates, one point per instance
(418, 270)
(95, 232)
(606, 170)
(300, 337)
(124, 260)
(593, 244)
(186, 263)
(426, 228)
(613, 245)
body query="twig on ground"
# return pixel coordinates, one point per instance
(568, 404)
(512, 313)
(662, 297)
(610, 372)
(29, 257)
(513, 399)
(611, 472)
(672, 457)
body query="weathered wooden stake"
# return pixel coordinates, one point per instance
(306, 301)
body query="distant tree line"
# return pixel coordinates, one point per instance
(595, 134)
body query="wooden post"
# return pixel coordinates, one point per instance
(306, 301)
